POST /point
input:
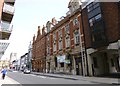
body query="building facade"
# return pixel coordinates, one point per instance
(30, 56)
(65, 43)
(39, 51)
(102, 32)
(24, 61)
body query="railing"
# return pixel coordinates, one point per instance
(8, 8)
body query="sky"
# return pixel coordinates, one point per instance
(29, 14)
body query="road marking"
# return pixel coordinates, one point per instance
(33, 75)
(42, 76)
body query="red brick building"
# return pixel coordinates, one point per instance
(39, 51)
(64, 41)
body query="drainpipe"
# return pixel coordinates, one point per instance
(119, 52)
(45, 53)
(84, 41)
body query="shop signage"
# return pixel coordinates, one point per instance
(61, 59)
(67, 61)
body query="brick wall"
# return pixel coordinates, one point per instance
(111, 16)
(86, 28)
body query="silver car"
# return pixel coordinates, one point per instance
(27, 71)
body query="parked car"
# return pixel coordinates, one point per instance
(27, 71)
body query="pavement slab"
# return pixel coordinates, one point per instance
(7, 80)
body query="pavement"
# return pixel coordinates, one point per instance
(7, 80)
(99, 80)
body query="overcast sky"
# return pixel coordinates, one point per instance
(29, 14)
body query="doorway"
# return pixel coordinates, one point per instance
(78, 66)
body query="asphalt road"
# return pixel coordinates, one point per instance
(37, 79)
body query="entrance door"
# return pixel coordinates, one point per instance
(77, 69)
(48, 67)
(116, 59)
(78, 66)
(106, 64)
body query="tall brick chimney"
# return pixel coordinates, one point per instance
(43, 30)
(38, 33)
(34, 38)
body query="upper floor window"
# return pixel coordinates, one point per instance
(60, 44)
(54, 47)
(67, 28)
(67, 42)
(75, 21)
(54, 36)
(54, 41)
(60, 33)
(92, 6)
(94, 19)
(76, 37)
(48, 49)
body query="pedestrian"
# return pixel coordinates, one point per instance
(4, 72)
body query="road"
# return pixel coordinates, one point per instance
(37, 79)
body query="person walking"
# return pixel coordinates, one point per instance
(4, 72)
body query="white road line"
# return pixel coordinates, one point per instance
(42, 76)
(33, 75)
